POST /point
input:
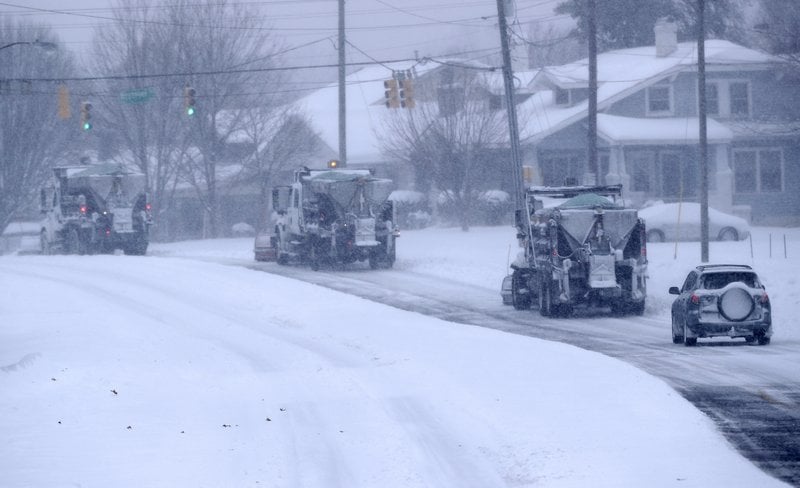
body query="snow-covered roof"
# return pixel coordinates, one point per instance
(365, 109)
(522, 81)
(363, 89)
(761, 129)
(619, 74)
(672, 130)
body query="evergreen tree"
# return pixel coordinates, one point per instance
(629, 23)
(779, 26)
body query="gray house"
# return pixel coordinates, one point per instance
(648, 126)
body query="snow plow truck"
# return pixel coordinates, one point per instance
(583, 248)
(334, 217)
(99, 208)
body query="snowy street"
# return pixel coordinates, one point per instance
(157, 371)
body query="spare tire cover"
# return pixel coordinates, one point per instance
(736, 304)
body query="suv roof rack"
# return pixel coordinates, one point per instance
(704, 267)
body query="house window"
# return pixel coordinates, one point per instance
(557, 170)
(739, 93)
(562, 96)
(758, 170)
(770, 171)
(659, 99)
(641, 167)
(712, 99)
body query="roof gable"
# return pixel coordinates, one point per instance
(621, 73)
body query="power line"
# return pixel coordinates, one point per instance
(220, 72)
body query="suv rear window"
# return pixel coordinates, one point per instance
(715, 281)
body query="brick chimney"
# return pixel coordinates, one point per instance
(666, 37)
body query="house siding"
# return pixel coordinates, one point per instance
(770, 207)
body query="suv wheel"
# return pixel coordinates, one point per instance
(688, 341)
(763, 340)
(676, 338)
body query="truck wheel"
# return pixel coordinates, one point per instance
(138, 248)
(545, 300)
(314, 257)
(637, 308)
(72, 242)
(520, 301)
(44, 243)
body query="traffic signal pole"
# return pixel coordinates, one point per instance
(342, 97)
(511, 108)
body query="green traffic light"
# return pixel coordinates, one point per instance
(87, 126)
(190, 111)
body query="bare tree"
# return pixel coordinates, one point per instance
(550, 45)
(141, 115)
(450, 137)
(778, 30)
(220, 49)
(227, 42)
(32, 137)
(282, 140)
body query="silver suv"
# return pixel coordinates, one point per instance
(721, 300)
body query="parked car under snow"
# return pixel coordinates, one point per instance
(681, 222)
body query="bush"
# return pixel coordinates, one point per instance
(243, 229)
(411, 209)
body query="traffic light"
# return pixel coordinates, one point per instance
(407, 93)
(392, 94)
(333, 163)
(188, 100)
(64, 111)
(86, 116)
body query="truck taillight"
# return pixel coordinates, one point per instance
(643, 240)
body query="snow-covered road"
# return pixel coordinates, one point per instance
(154, 371)
(752, 392)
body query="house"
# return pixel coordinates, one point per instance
(648, 126)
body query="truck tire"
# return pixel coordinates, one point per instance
(138, 248)
(545, 299)
(72, 242)
(520, 291)
(313, 256)
(44, 243)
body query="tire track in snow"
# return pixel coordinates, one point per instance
(763, 432)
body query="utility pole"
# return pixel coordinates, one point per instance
(593, 163)
(342, 97)
(702, 108)
(511, 108)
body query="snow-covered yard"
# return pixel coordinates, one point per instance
(156, 371)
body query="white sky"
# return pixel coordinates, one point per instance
(384, 29)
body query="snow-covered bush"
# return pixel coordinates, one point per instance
(243, 229)
(494, 207)
(411, 209)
